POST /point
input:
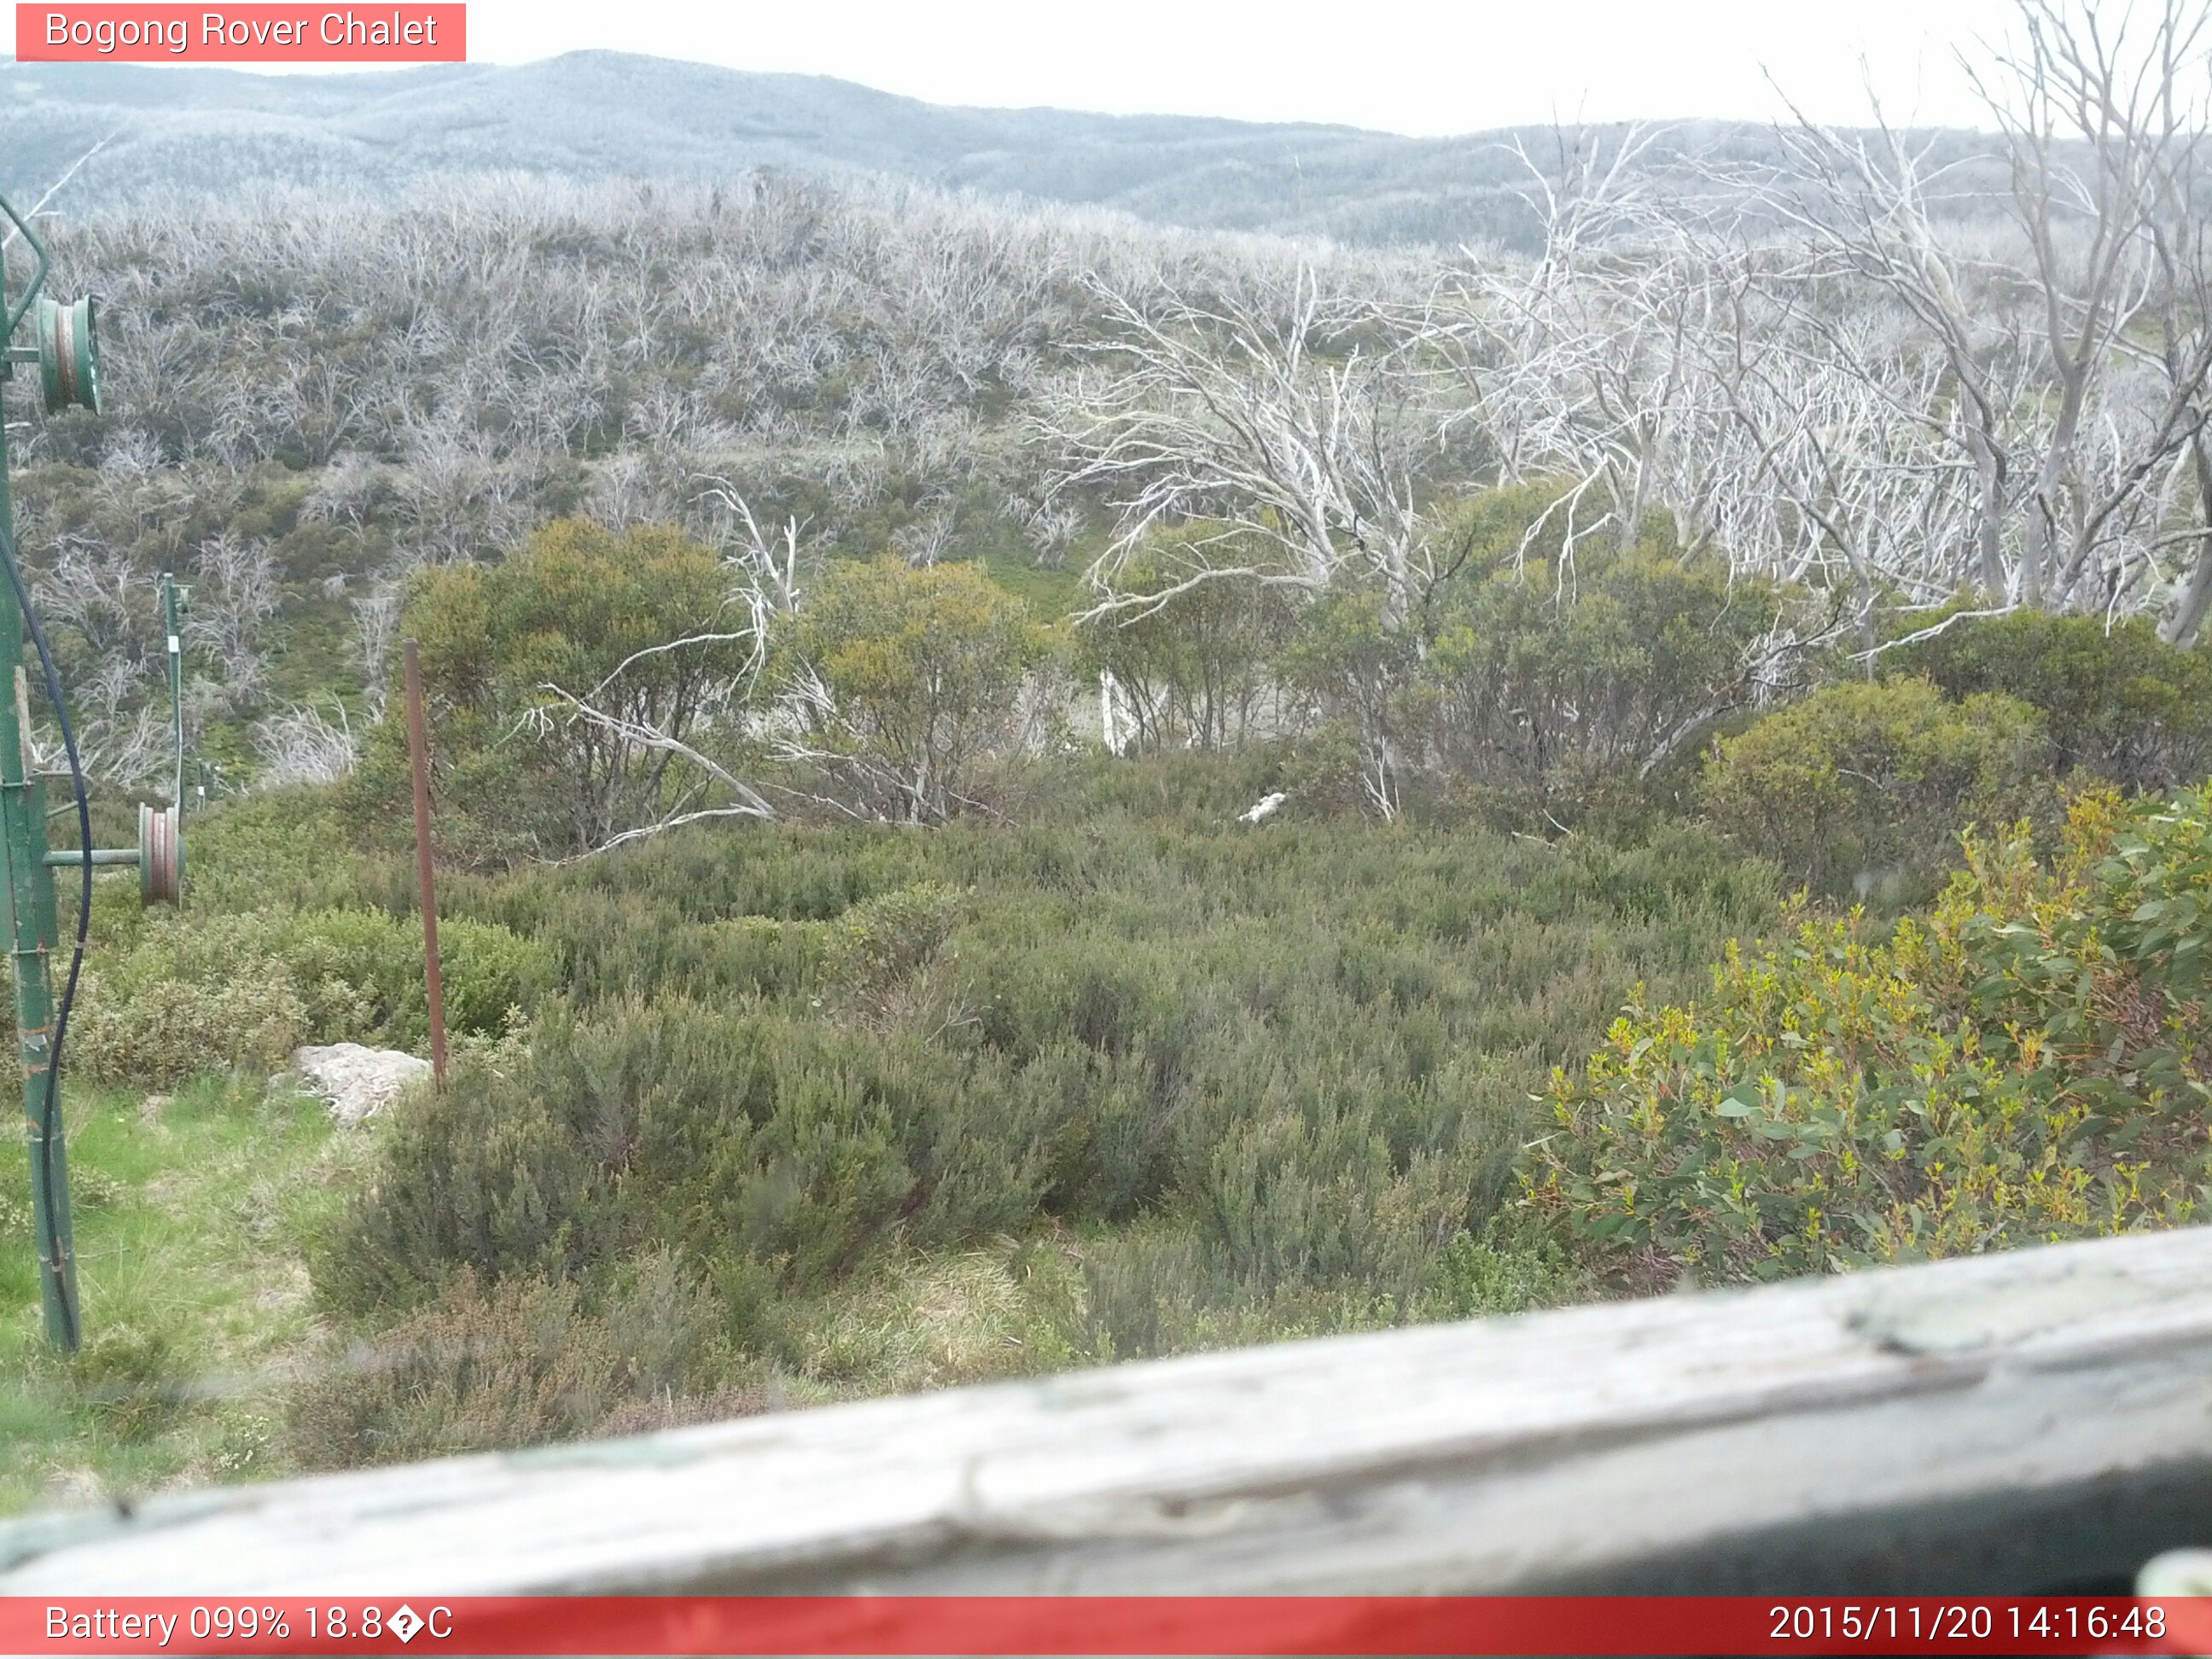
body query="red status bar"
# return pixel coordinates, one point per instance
(1114, 1625)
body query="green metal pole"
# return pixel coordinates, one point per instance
(176, 682)
(32, 932)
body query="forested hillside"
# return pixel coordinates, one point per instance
(1016, 787)
(194, 134)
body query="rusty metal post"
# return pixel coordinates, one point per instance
(418, 750)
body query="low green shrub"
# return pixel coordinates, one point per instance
(1497, 1272)
(362, 973)
(2117, 702)
(2029, 1062)
(1865, 786)
(1158, 1288)
(207, 990)
(1306, 1050)
(522, 1363)
(294, 848)
(748, 1137)
(184, 1002)
(883, 940)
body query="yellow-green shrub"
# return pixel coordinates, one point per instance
(2028, 1062)
(920, 674)
(577, 605)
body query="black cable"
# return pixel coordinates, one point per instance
(50, 1112)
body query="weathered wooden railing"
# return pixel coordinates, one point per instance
(2034, 1422)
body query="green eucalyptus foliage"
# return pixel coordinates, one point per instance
(1195, 666)
(577, 610)
(917, 675)
(1539, 670)
(1359, 671)
(1865, 785)
(2029, 1061)
(1549, 671)
(2118, 703)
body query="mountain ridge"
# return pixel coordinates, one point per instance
(599, 114)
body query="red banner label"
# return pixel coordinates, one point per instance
(241, 35)
(1109, 1625)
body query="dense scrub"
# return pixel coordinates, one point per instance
(1082, 1065)
(1096, 1068)
(1256, 1080)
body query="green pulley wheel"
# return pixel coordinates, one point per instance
(68, 355)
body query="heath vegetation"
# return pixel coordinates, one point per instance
(1014, 790)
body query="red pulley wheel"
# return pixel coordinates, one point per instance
(161, 856)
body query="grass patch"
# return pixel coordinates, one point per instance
(191, 1209)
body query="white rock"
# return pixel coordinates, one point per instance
(358, 1082)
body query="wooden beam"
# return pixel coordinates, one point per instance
(2028, 1422)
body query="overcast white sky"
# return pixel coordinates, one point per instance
(1415, 66)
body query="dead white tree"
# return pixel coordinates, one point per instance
(236, 592)
(2104, 118)
(770, 568)
(644, 738)
(1281, 424)
(1827, 446)
(302, 746)
(2075, 348)
(930, 536)
(1575, 368)
(376, 630)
